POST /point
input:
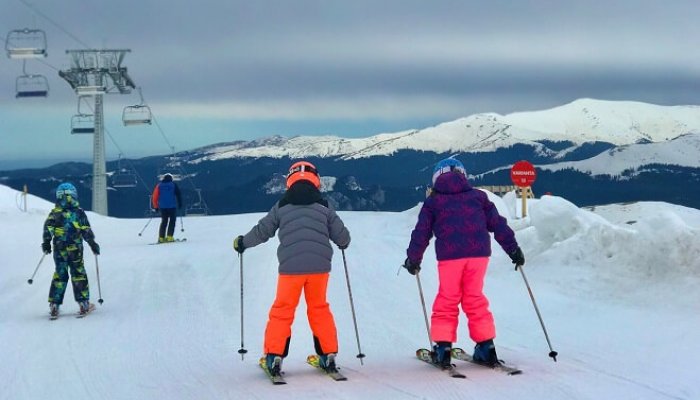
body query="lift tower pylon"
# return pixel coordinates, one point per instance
(94, 73)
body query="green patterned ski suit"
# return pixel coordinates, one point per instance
(68, 225)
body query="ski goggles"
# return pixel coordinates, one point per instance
(302, 168)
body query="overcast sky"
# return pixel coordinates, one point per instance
(223, 70)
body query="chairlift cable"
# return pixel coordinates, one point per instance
(56, 24)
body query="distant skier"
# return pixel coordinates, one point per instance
(166, 197)
(306, 226)
(68, 225)
(461, 218)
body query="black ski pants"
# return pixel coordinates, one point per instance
(168, 218)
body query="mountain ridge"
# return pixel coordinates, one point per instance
(391, 172)
(581, 121)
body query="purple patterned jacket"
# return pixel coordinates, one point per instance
(461, 218)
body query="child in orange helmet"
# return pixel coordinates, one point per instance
(306, 226)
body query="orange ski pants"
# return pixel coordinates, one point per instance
(279, 325)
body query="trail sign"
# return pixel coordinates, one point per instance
(523, 174)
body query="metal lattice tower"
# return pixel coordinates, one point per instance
(94, 73)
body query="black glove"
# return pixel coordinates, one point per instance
(46, 247)
(94, 247)
(411, 267)
(238, 244)
(517, 257)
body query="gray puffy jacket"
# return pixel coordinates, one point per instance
(306, 226)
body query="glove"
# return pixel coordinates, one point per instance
(94, 247)
(46, 247)
(411, 267)
(517, 257)
(238, 244)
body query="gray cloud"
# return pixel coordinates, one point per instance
(395, 60)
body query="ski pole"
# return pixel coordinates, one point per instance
(352, 307)
(99, 289)
(242, 350)
(425, 313)
(147, 223)
(182, 223)
(552, 353)
(31, 280)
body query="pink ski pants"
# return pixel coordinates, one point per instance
(462, 283)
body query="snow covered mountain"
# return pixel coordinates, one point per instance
(582, 121)
(682, 151)
(590, 151)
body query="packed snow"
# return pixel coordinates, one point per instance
(616, 286)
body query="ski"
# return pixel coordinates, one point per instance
(91, 308)
(460, 354)
(174, 241)
(53, 317)
(314, 361)
(425, 356)
(275, 379)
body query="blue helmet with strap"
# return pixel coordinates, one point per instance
(66, 189)
(448, 165)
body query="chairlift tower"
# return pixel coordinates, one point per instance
(94, 73)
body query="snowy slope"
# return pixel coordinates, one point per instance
(617, 122)
(585, 120)
(683, 150)
(619, 300)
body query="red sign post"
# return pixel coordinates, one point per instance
(523, 174)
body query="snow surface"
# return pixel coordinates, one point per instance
(616, 286)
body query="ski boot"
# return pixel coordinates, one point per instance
(485, 353)
(53, 310)
(161, 240)
(327, 362)
(85, 307)
(442, 352)
(274, 364)
(169, 239)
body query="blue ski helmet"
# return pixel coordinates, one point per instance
(66, 189)
(448, 165)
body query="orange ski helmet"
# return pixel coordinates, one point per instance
(303, 170)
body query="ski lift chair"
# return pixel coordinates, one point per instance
(82, 124)
(31, 86)
(124, 179)
(137, 115)
(196, 209)
(199, 207)
(26, 43)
